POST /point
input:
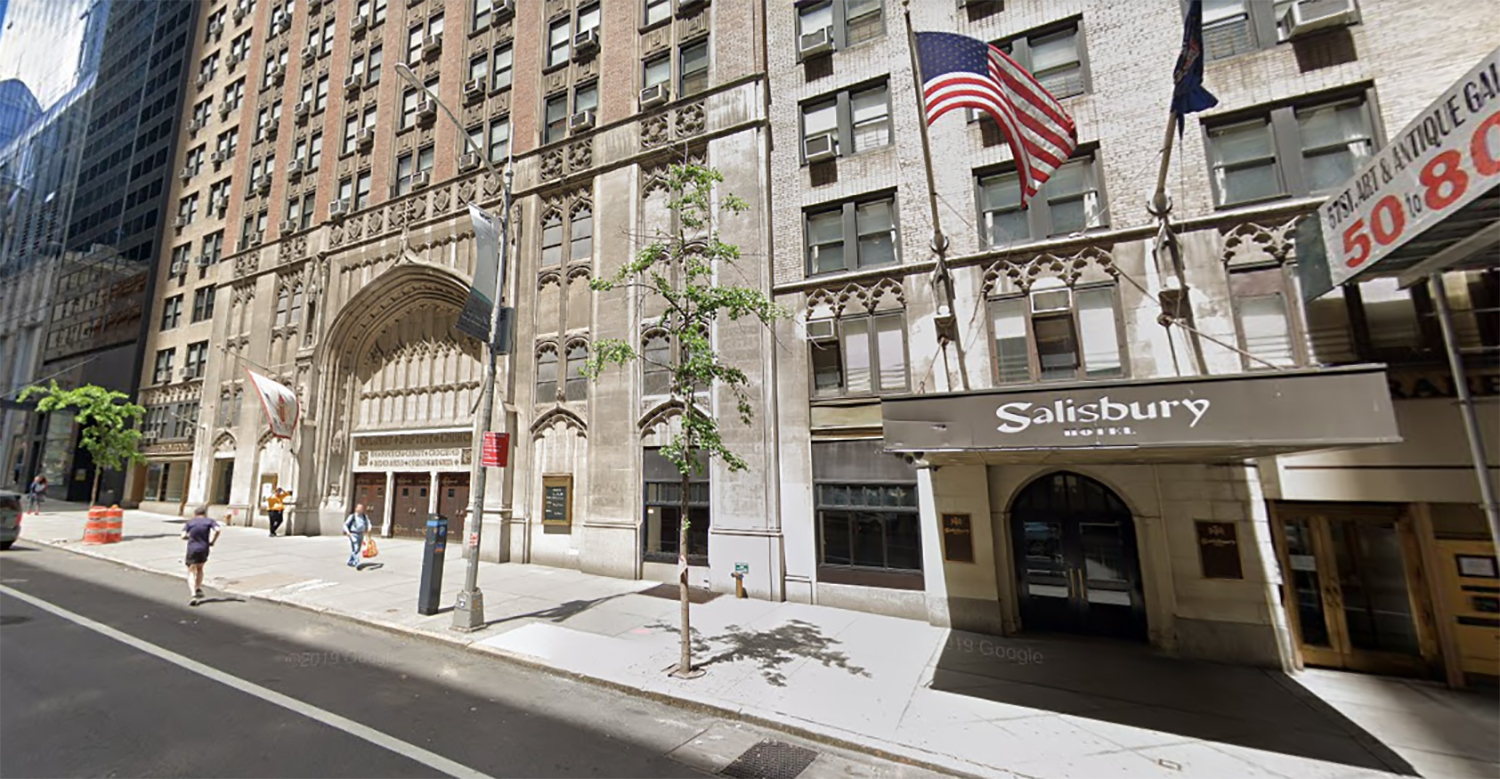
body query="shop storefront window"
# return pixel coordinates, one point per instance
(154, 481)
(866, 506)
(176, 482)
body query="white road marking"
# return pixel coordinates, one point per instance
(403, 748)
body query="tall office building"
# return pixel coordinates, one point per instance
(18, 109)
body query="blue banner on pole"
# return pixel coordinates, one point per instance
(1188, 94)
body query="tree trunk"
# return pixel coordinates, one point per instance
(685, 664)
(94, 495)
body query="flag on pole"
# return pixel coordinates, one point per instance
(279, 402)
(963, 72)
(1188, 94)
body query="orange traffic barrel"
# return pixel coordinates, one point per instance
(114, 525)
(95, 532)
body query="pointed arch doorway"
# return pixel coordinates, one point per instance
(1077, 567)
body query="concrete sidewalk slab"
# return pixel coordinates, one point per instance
(965, 703)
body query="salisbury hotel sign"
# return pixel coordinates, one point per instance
(1259, 413)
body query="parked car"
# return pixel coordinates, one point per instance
(10, 518)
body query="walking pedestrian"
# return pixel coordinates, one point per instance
(275, 508)
(355, 528)
(201, 533)
(36, 494)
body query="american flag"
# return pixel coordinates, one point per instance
(962, 72)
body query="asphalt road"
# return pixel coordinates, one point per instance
(77, 702)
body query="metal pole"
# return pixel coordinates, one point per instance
(1466, 406)
(468, 612)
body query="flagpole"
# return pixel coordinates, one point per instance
(941, 276)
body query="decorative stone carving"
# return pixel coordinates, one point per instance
(442, 199)
(587, 69)
(581, 155)
(418, 206)
(552, 164)
(1250, 243)
(354, 228)
(500, 104)
(490, 183)
(473, 113)
(693, 26)
(466, 191)
(1068, 269)
(246, 264)
(654, 130)
(656, 40)
(396, 216)
(691, 119)
(556, 8)
(858, 298)
(554, 82)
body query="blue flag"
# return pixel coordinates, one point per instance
(1188, 94)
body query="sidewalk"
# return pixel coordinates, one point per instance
(961, 702)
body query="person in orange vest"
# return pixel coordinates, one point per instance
(276, 507)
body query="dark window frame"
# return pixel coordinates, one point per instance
(843, 100)
(1038, 209)
(1033, 352)
(872, 334)
(850, 229)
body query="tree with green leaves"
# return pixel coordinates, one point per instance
(681, 267)
(107, 420)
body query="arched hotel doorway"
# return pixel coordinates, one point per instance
(1077, 567)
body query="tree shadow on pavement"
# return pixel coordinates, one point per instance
(771, 650)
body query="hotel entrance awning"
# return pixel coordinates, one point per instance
(1197, 419)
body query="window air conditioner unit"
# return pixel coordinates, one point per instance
(309, 52)
(287, 226)
(655, 95)
(421, 179)
(277, 73)
(358, 24)
(233, 60)
(272, 130)
(469, 161)
(338, 208)
(426, 109)
(689, 6)
(223, 110)
(820, 330)
(504, 9)
(581, 121)
(178, 268)
(201, 81)
(219, 157)
(253, 239)
(1051, 300)
(180, 222)
(433, 44)
(586, 43)
(1305, 17)
(353, 82)
(313, 5)
(294, 170)
(222, 204)
(205, 260)
(195, 125)
(474, 88)
(263, 184)
(823, 146)
(216, 29)
(366, 138)
(185, 173)
(301, 109)
(239, 13)
(815, 43)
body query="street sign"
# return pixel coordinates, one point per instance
(1447, 157)
(496, 450)
(742, 568)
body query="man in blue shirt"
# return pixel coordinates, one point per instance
(200, 532)
(355, 528)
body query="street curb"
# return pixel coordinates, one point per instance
(952, 766)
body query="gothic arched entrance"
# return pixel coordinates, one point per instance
(1077, 567)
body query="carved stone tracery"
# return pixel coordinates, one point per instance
(1023, 274)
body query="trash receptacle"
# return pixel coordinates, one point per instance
(432, 564)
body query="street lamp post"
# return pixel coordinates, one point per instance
(468, 612)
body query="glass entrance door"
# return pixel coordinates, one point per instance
(1076, 559)
(1346, 575)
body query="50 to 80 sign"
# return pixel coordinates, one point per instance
(1445, 158)
(1445, 179)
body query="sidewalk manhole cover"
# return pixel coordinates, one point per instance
(770, 760)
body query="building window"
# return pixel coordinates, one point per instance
(309, 203)
(556, 119)
(187, 208)
(482, 10)
(693, 62)
(861, 355)
(1264, 317)
(203, 304)
(559, 43)
(181, 258)
(414, 44)
(849, 22)
(479, 69)
(1057, 333)
(1054, 56)
(325, 45)
(657, 70)
(197, 360)
(588, 19)
(213, 246)
(405, 167)
(321, 101)
(362, 191)
(381, 7)
(502, 68)
(586, 98)
(851, 236)
(351, 133)
(1071, 201)
(163, 373)
(171, 312)
(546, 374)
(874, 526)
(409, 100)
(576, 387)
(857, 120)
(372, 76)
(663, 509)
(234, 95)
(314, 152)
(499, 140)
(1289, 151)
(1232, 27)
(657, 11)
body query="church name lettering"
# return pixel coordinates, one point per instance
(405, 442)
(414, 458)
